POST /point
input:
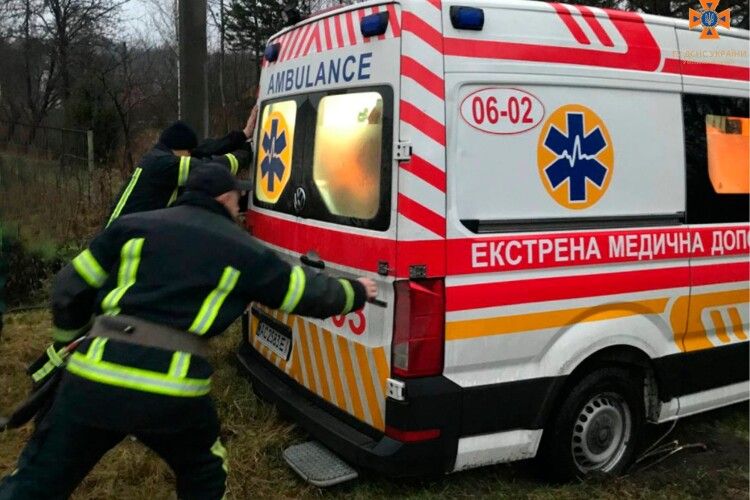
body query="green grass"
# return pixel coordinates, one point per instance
(53, 206)
(256, 436)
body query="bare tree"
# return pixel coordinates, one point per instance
(71, 22)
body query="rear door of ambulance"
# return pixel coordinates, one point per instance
(325, 196)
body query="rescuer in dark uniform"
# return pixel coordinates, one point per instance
(159, 284)
(162, 172)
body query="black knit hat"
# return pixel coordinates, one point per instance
(215, 179)
(179, 135)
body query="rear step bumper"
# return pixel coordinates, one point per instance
(371, 450)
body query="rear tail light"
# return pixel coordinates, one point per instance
(411, 436)
(419, 328)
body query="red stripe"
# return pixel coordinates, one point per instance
(596, 27)
(723, 71)
(314, 37)
(296, 38)
(423, 76)
(289, 46)
(393, 21)
(425, 171)
(573, 27)
(350, 28)
(360, 15)
(436, 4)
(505, 293)
(422, 122)
(413, 24)
(301, 41)
(643, 52)
(339, 32)
(720, 273)
(340, 247)
(318, 41)
(349, 249)
(329, 44)
(421, 215)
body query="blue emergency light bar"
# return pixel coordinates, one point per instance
(467, 18)
(272, 52)
(374, 24)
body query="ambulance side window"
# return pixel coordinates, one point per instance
(716, 153)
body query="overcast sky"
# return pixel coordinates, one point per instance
(134, 13)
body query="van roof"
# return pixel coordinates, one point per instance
(531, 5)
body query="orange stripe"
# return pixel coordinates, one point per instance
(737, 328)
(306, 355)
(351, 378)
(721, 329)
(382, 365)
(321, 369)
(458, 330)
(335, 371)
(366, 377)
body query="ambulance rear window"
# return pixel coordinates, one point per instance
(327, 156)
(347, 153)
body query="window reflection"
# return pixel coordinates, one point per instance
(347, 155)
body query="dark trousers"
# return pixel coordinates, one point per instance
(63, 450)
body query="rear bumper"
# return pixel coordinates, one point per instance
(432, 404)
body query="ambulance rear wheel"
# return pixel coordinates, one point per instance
(596, 427)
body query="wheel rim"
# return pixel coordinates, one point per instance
(601, 433)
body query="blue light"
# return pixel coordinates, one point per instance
(374, 24)
(272, 52)
(467, 18)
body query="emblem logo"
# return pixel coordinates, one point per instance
(575, 156)
(709, 19)
(274, 158)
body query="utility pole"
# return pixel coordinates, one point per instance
(193, 55)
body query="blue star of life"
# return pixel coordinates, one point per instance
(273, 145)
(576, 157)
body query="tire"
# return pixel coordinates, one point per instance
(596, 428)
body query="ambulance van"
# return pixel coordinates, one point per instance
(553, 200)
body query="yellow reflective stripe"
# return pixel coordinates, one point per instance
(172, 198)
(125, 195)
(96, 349)
(180, 364)
(136, 378)
(213, 302)
(89, 269)
(55, 361)
(60, 335)
(234, 163)
(182, 176)
(55, 356)
(349, 292)
(130, 259)
(218, 450)
(295, 291)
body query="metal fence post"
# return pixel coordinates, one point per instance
(90, 148)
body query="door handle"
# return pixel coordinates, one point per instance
(312, 259)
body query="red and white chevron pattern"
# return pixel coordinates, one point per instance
(421, 186)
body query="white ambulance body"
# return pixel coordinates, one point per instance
(553, 200)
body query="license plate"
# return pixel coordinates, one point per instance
(274, 335)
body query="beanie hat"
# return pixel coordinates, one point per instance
(179, 135)
(215, 179)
